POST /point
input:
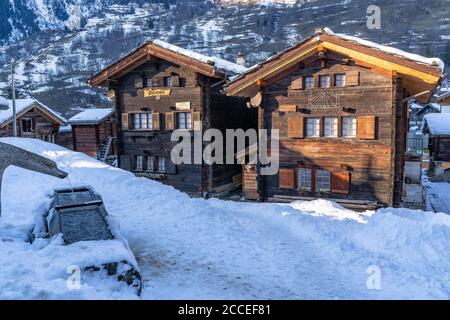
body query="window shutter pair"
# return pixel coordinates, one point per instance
(296, 127)
(286, 178)
(366, 127)
(352, 78)
(297, 83)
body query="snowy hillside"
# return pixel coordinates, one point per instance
(66, 45)
(197, 249)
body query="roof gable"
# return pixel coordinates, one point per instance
(209, 66)
(25, 105)
(418, 72)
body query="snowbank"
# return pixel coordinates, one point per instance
(213, 249)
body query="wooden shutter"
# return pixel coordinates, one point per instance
(365, 127)
(340, 182)
(139, 83)
(296, 83)
(170, 121)
(295, 127)
(125, 121)
(125, 162)
(171, 168)
(196, 121)
(352, 78)
(286, 178)
(175, 81)
(156, 121)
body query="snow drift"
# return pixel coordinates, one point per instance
(213, 249)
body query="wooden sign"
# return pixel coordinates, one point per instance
(183, 105)
(157, 92)
(288, 108)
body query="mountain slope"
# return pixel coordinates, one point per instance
(66, 47)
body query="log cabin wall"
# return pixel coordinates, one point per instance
(187, 92)
(360, 167)
(86, 139)
(33, 124)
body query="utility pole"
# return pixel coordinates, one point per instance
(13, 91)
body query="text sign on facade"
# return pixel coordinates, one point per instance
(156, 92)
(183, 105)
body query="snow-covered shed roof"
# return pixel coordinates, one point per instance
(209, 66)
(437, 124)
(91, 116)
(421, 72)
(23, 106)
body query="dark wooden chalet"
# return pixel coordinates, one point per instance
(437, 126)
(94, 132)
(160, 87)
(340, 105)
(34, 120)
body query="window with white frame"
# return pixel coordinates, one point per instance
(331, 127)
(339, 80)
(139, 165)
(324, 81)
(184, 120)
(161, 164)
(142, 121)
(323, 181)
(309, 82)
(349, 127)
(313, 127)
(305, 179)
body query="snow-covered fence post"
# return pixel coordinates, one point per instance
(14, 156)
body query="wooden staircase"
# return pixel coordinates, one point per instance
(104, 153)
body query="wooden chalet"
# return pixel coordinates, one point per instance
(94, 132)
(160, 87)
(34, 120)
(340, 105)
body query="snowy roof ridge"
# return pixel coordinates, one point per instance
(437, 123)
(91, 116)
(434, 62)
(21, 106)
(216, 62)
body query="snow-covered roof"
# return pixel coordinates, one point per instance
(21, 106)
(219, 63)
(437, 123)
(65, 129)
(435, 62)
(91, 116)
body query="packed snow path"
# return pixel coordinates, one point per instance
(212, 249)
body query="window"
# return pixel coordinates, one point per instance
(331, 127)
(142, 121)
(151, 163)
(161, 164)
(305, 179)
(139, 163)
(27, 125)
(323, 181)
(168, 81)
(313, 127)
(48, 138)
(349, 127)
(309, 82)
(339, 80)
(184, 120)
(324, 81)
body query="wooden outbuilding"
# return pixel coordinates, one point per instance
(159, 88)
(34, 120)
(95, 133)
(437, 126)
(340, 106)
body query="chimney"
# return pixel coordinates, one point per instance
(240, 59)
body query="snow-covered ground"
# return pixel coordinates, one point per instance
(213, 249)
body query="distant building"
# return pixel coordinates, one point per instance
(34, 120)
(443, 100)
(438, 127)
(94, 132)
